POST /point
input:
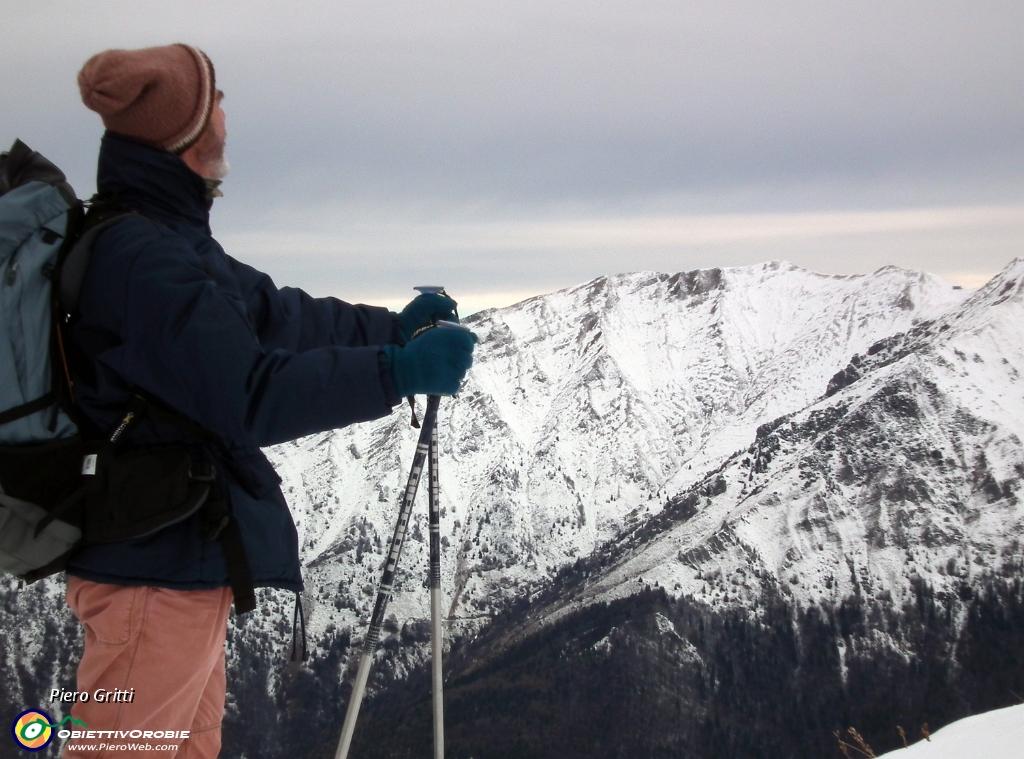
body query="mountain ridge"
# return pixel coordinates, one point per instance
(646, 454)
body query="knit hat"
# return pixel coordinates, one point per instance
(160, 95)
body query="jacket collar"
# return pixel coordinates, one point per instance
(151, 180)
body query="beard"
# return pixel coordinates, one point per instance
(210, 152)
(220, 167)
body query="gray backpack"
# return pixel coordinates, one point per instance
(39, 218)
(55, 481)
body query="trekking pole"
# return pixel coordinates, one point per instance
(388, 578)
(427, 444)
(436, 633)
(436, 598)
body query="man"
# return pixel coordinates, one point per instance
(166, 316)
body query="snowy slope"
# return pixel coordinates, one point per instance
(997, 734)
(909, 469)
(585, 411)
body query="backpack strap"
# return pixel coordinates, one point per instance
(221, 525)
(43, 401)
(76, 262)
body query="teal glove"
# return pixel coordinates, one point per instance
(432, 364)
(424, 310)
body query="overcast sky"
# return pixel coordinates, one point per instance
(510, 148)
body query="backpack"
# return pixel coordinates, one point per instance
(39, 218)
(64, 483)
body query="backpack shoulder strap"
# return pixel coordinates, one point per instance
(71, 271)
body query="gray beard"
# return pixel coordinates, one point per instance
(219, 168)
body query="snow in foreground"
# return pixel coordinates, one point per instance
(993, 735)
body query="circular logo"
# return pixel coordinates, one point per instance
(32, 730)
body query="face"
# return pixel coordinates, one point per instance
(218, 121)
(206, 157)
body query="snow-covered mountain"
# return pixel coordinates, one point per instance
(586, 411)
(667, 462)
(907, 466)
(838, 454)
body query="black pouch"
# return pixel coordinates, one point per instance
(40, 511)
(145, 490)
(42, 473)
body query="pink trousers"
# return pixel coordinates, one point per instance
(163, 647)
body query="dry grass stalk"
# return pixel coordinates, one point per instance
(903, 735)
(864, 747)
(924, 731)
(842, 745)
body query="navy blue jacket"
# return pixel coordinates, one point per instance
(164, 311)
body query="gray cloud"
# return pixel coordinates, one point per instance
(463, 113)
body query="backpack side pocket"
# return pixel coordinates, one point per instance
(146, 490)
(34, 480)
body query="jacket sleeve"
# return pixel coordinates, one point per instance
(194, 347)
(290, 319)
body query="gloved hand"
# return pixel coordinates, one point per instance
(424, 309)
(432, 364)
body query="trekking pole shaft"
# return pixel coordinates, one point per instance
(387, 578)
(437, 646)
(436, 633)
(352, 714)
